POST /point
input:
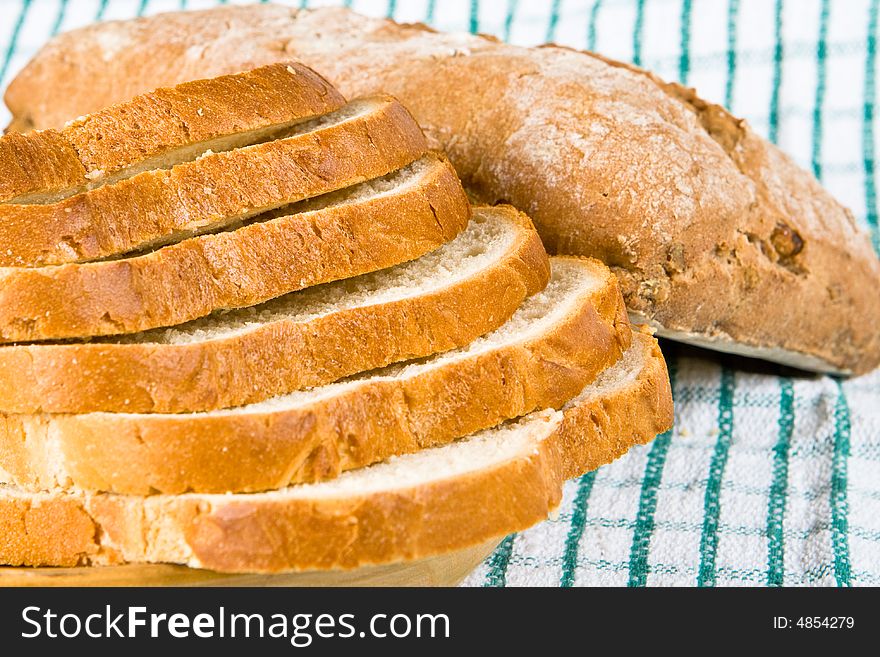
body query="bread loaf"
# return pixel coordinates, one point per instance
(717, 237)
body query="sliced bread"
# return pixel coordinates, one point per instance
(433, 501)
(364, 228)
(303, 339)
(555, 344)
(160, 129)
(368, 138)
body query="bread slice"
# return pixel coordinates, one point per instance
(368, 138)
(718, 238)
(159, 129)
(433, 501)
(303, 339)
(555, 344)
(360, 229)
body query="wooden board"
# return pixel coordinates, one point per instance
(444, 570)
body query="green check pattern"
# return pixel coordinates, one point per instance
(769, 477)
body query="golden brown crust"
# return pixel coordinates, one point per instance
(52, 530)
(312, 441)
(165, 205)
(104, 144)
(598, 433)
(278, 357)
(270, 532)
(40, 160)
(713, 231)
(240, 268)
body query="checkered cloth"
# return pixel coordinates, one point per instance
(769, 477)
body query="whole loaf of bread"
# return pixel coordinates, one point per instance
(718, 238)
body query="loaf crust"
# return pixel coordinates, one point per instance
(213, 191)
(257, 262)
(279, 356)
(270, 533)
(717, 236)
(102, 146)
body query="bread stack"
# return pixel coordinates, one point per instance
(248, 326)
